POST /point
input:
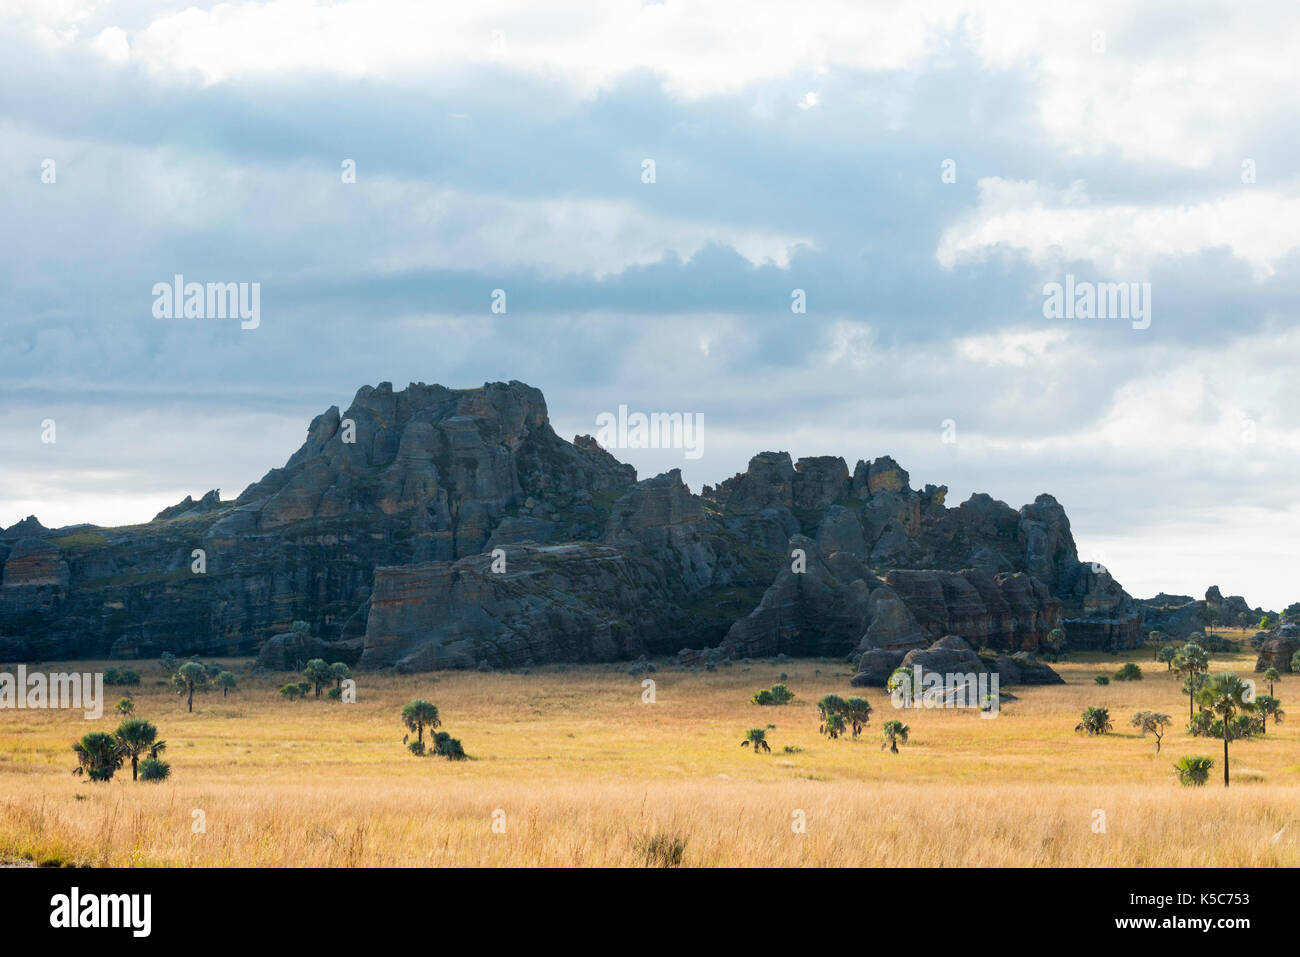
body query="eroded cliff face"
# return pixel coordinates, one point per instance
(434, 527)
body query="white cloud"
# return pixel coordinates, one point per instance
(1047, 226)
(1165, 87)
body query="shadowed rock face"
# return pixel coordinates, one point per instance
(383, 529)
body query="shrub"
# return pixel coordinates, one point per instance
(120, 676)
(1094, 721)
(776, 695)
(152, 769)
(449, 747)
(1101, 680)
(1193, 770)
(1129, 672)
(416, 747)
(782, 694)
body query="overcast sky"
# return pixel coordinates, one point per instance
(794, 146)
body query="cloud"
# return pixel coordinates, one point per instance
(1046, 226)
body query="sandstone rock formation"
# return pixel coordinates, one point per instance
(384, 529)
(1277, 653)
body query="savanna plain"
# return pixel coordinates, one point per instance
(573, 767)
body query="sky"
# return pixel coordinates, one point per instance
(654, 187)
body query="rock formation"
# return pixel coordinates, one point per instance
(433, 527)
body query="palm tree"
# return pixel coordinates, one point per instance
(1167, 655)
(1156, 637)
(1193, 770)
(1192, 663)
(757, 737)
(340, 673)
(833, 725)
(125, 706)
(227, 682)
(420, 714)
(893, 732)
(136, 736)
(1267, 705)
(858, 713)
(1226, 695)
(191, 675)
(1094, 721)
(1271, 675)
(1154, 722)
(318, 673)
(829, 706)
(99, 755)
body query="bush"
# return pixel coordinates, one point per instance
(151, 769)
(1129, 672)
(1094, 721)
(1193, 770)
(120, 676)
(777, 694)
(449, 747)
(416, 748)
(1101, 680)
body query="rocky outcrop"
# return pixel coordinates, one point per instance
(188, 508)
(1180, 615)
(384, 527)
(953, 655)
(575, 602)
(1277, 653)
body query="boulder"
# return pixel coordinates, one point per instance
(1277, 653)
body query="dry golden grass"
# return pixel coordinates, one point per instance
(587, 774)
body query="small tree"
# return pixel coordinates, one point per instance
(291, 690)
(318, 673)
(1193, 770)
(136, 736)
(1167, 655)
(1271, 675)
(893, 732)
(418, 715)
(1267, 705)
(758, 738)
(833, 725)
(1130, 671)
(124, 706)
(340, 673)
(189, 676)
(1152, 722)
(1094, 721)
(1226, 695)
(1156, 637)
(858, 713)
(1192, 663)
(227, 682)
(99, 755)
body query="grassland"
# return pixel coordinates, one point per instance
(582, 772)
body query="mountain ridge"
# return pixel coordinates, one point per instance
(388, 514)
